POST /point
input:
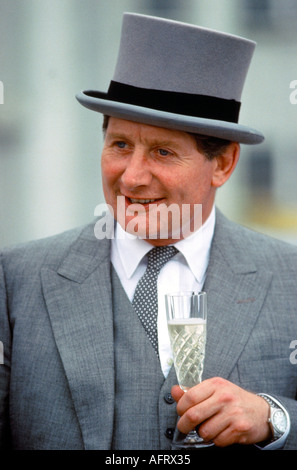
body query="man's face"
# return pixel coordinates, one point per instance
(144, 167)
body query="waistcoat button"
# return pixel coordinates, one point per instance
(169, 433)
(168, 398)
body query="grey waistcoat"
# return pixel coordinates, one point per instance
(144, 418)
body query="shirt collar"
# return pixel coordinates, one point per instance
(195, 248)
(130, 249)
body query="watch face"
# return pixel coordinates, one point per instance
(280, 421)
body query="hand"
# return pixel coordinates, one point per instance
(225, 413)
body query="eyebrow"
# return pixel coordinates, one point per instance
(116, 135)
(153, 141)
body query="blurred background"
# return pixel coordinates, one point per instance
(50, 145)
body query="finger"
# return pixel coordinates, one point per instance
(198, 414)
(177, 392)
(196, 395)
(226, 438)
(212, 429)
(224, 430)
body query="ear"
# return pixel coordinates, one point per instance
(225, 164)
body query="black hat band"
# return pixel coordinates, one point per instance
(188, 104)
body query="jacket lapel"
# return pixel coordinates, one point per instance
(236, 290)
(79, 303)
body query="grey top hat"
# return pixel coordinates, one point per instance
(178, 76)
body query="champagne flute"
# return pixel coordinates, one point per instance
(186, 320)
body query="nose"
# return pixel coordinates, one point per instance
(137, 171)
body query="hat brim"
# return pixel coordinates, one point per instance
(214, 128)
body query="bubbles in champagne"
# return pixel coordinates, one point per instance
(188, 337)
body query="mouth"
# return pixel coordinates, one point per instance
(146, 202)
(142, 201)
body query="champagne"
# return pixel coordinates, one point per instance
(187, 338)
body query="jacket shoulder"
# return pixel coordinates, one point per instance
(253, 247)
(47, 251)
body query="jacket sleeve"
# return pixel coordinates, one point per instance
(5, 349)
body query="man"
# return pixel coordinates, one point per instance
(80, 369)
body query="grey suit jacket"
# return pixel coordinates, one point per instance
(57, 331)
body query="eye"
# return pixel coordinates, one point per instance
(120, 144)
(164, 152)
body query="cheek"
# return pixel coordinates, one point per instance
(110, 171)
(109, 179)
(196, 185)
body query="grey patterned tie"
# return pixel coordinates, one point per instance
(145, 300)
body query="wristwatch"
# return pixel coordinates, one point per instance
(278, 417)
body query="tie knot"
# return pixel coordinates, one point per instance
(159, 256)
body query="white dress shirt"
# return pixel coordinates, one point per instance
(186, 271)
